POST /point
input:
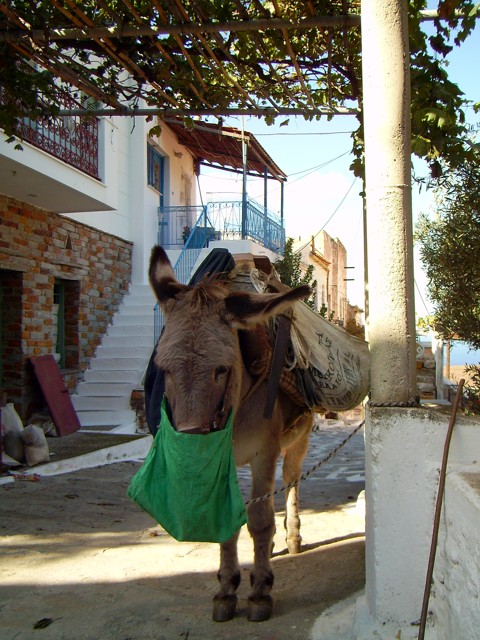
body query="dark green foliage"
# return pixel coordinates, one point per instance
(471, 389)
(291, 273)
(241, 69)
(450, 251)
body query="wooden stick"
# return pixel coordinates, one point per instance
(438, 509)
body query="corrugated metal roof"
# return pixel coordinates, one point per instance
(217, 146)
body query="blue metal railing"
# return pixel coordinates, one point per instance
(260, 225)
(201, 234)
(172, 222)
(198, 238)
(216, 221)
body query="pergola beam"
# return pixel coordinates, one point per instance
(249, 111)
(132, 31)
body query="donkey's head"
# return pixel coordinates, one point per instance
(199, 348)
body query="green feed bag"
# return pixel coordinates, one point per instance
(189, 484)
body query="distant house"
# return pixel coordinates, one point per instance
(328, 257)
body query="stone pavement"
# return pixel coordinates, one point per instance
(79, 556)
(341, 479)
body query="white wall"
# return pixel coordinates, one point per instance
(456, 591)
(404, 449)
(124, 165)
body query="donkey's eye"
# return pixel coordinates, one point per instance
(219, 372)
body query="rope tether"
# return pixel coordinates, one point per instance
(304, 476)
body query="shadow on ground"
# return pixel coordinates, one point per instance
(77, 553)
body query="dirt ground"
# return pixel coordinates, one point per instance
(80, 561)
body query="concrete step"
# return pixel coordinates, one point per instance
(119, 364)
(139, 288)
(105, 389)
(111, 419)
(133, 319)
(140, 309)
(101, 403)
(133, 340)
(126, 351)
(146, 298)
(113, 376)
(127, 330)
(102, 400)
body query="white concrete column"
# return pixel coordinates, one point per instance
(386, 108)
(143, 201)
(399, 483)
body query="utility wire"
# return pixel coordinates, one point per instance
(318, 166)
(421, 297)
(317, 133)
(330, 218)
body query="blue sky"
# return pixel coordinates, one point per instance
(321, 191)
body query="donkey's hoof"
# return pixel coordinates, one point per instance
(224, 608)
(294, 545)
(259, 609)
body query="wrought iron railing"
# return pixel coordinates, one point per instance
(73, 139)
(216, 221)
(226, 223)
(196, 239)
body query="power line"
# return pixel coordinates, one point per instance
(323, 227)
(315, 133)
(421, 297)
(318, 166)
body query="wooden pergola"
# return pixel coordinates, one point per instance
(261, 59)
(258, 58)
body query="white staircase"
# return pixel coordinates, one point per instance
(102, 400)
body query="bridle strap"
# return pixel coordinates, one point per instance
(221, 409)
(278, 362)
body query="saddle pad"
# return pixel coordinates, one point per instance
(188, 484)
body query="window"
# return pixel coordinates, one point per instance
(156, 170)
(65, 314)
(58, 336)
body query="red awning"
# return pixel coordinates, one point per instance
(221, 147)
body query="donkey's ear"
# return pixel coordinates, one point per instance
(162, 277)
(246, 309)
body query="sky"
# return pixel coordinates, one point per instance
(321, 192)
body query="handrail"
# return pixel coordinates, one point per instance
(219, 221)
(199, 238)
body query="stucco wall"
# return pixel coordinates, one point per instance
(404, 449)
(37, 248)
(456, 590)
(329, 262)
(135, 217)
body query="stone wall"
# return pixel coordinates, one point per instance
(426, 374)
(38, 251)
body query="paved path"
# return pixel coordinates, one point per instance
(79, 555)
(339, 480)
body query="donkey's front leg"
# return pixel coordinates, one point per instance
(292, 470)
(261, 524)
(225, 601)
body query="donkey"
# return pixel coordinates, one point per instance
(205, 378)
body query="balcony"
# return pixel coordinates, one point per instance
(220, 221)
(58, 167)
(73, 139)
(214, 221)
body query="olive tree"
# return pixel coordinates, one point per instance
(449, 247)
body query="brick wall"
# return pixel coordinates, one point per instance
(37, 249)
